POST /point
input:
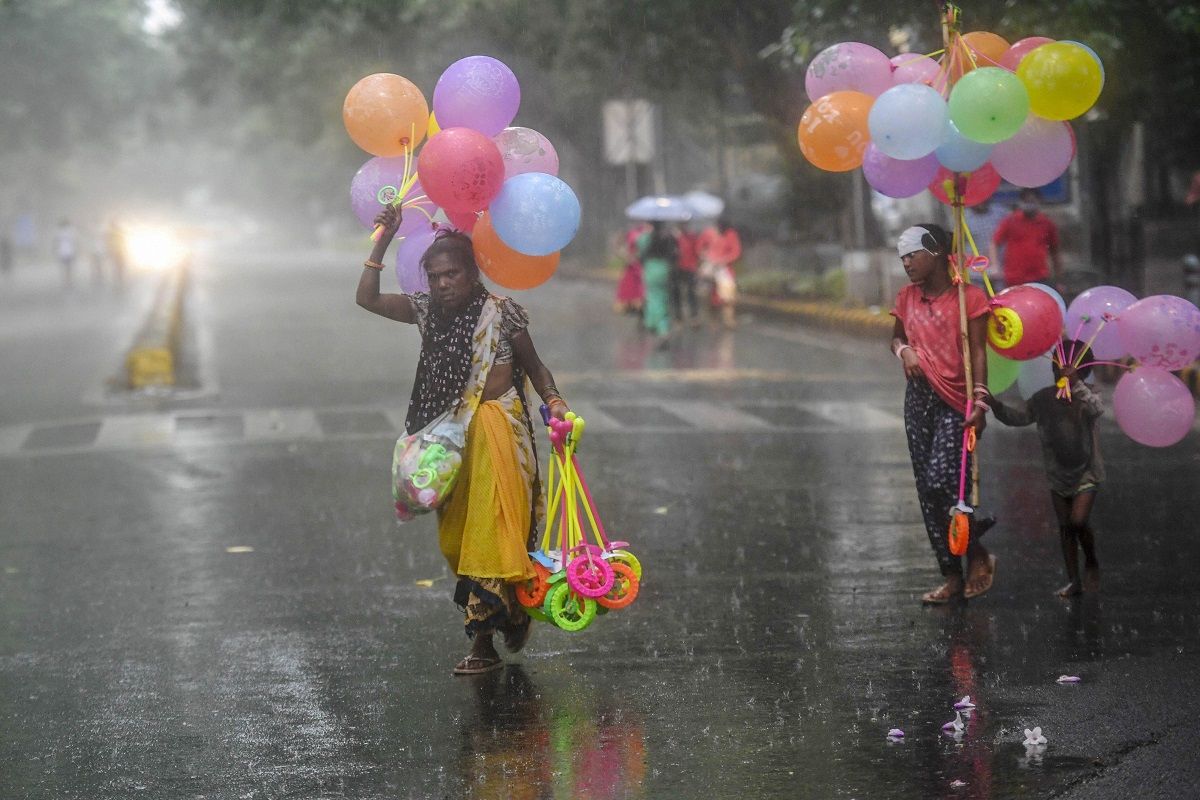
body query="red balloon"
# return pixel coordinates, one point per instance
(463, 220)
(980, 185)
(1025, 323)
(461, 170)
(1012, 57)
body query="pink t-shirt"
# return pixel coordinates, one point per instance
(932, 329)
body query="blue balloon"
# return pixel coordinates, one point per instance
(908, 121)
(960, 154)
(535, 214)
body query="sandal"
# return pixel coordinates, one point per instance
(979, 581)
(477, 665)
(941, 595)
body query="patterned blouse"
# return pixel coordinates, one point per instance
(513, 320)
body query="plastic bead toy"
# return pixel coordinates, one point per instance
(575, 579)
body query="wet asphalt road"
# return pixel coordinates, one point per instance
(207, 597)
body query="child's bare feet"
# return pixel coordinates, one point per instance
(1072, 589)
(952, 589)
(1091, 577)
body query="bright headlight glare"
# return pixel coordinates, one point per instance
(153, 248)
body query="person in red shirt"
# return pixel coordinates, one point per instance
(719, 248)
(1030, 242)
(926, 339)
(683, 276)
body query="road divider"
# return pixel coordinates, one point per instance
(153, 357)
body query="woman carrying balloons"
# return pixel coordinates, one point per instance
(476, 354)
(1066, 417)
(926, 339)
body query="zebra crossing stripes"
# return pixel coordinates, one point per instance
(191, 428)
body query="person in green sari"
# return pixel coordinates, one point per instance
(659, 252)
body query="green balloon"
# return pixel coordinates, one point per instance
(989, 105)
(1002, 372)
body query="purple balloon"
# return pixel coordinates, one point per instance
(408, 259)
(1036, 154)
(849, 66)
(1087, 314)
(914, 68)
(1161, 331)
(896, 178)
(477, 92)
(376, 183)
(1153, 407)
(526, 150)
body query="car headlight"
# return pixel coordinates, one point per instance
(154, 248)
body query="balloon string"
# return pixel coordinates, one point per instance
(1106, 364)
(1088, 346)
(975, 249)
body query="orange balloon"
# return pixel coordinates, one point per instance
(385, 113)
(506, 266)
(987, 48)
(833, 132)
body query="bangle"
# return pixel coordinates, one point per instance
(900, 350)
(375, 265)
(980, 404)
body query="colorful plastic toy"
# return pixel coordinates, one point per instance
(575, 579)
(424, 468)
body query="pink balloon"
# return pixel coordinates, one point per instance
(526, 150)
(1036, 154)
(461, 169)
(913, 68)
(896, 178)
(1161, 331)
(375, 183)
(1153, 407)
(408, 260)
(849, 66)
(477, 92)
(1087, 314)
(1013, 55)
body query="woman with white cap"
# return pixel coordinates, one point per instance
(926, 339)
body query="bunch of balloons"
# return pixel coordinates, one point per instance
(986, 109)
(1159, 334)
(475, 173)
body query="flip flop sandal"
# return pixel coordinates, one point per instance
(988, 578)
(484, 665)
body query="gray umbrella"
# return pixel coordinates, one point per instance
(660, 208)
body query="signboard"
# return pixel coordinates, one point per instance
(629, 127)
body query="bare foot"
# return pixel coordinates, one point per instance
(950, 590)
(1091, 577)
(980, 575)
(1072, 589)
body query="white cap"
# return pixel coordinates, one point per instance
(910, 241)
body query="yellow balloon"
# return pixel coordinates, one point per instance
(1063, 79)
(434, 128)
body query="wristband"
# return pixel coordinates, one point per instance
(375, 265)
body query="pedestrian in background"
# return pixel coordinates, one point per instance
(631, 291)
(1030, 243)
(719, 248)
(66, 248)
(6, 253)
(476, 354)
(1066, 425)
(115, 242)
(683, 276)
(658, 252)
(983, 219)
(926, 339)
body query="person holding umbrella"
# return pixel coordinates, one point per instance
(659, 252)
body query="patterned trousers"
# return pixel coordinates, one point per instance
(935, 438)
